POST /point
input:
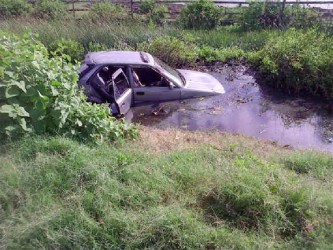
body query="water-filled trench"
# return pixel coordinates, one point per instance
(248, 109)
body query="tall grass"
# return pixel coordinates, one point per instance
(57, 193)
(233, 36)
(131, 32)
(110, 34)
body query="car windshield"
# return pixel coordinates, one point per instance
(173, 72)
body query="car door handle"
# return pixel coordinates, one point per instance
(140, 93)
(123, 104)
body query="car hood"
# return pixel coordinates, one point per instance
(201, 81)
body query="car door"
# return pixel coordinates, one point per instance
(122, 92)
(156, 94)
(148, 94)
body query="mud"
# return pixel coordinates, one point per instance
(249, 109)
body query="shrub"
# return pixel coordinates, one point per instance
(203, 14)
(106, 11)
(301, 17)
(155, 13)
(50, 9)
(147, 6)
(13, 8)
(262, 15)
(269, 15)
(171, 50)
(68, 47)
(40, 94)
(159, 14)
(298, 61)
(251, 16)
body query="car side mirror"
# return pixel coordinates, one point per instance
(171, 85)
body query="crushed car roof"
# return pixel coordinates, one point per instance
(121, 57)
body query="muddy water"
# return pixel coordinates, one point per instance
(247, 109)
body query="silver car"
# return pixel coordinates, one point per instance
(128, 78)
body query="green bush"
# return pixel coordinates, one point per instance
(250, 18)
(159, 14)
(13, 8)
(106, 11)
(269, 15)
(155, 13)
(262, 15)
(40, 94)
(301, 17)
(50, 9)
(171, 50)
(202, 14)
(68, 47)
(298, 61)
(147, 6)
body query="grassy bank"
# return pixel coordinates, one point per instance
(169, 189)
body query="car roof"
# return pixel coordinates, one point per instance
(119, 57)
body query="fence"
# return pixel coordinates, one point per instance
(174, 7)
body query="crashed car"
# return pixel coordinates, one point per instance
(129, 78)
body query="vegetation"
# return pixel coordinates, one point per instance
(67, 47)
(226, 193)
(156, 13)
(203, 14)
(13, 8)
(301, 17)
(147, 6)
(40, 94)
(175, 52)
(105, 11)
(298, 61)
(260, 15)
(50, 9)
(159, 14)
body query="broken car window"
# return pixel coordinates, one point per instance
(148, 77)
(166, 68)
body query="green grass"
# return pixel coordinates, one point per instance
(57, 193)
(309, 163)
(131, 32)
